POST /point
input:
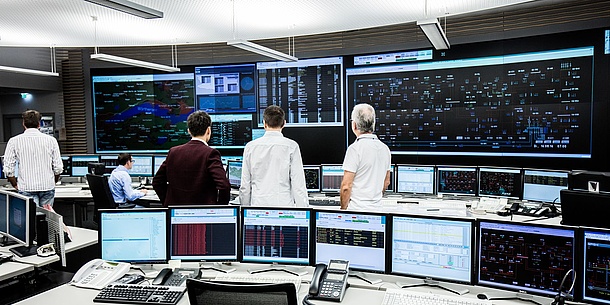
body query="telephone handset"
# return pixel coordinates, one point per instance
(329, 283)
(98, 273)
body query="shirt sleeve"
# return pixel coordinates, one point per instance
(350, 162)
(245, 190)
(130, 194)
(9, 160)
(58, 165)
(297, 179)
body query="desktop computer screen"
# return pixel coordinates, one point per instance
(67, 163)
(157, 161)
(21, 219)
(203, 233)
(110, 163)
(457, 180)
(312, 178)
(543, 185)
(356, 237)
(234, 173)
(595, 266)
(142, 166)
(80, 164)
(231, 130)
(331, 177)
(524, 257)
(415, 179)
(133, 235)
(500, 182)
(433, 247)
(3, 213)
(276, 235)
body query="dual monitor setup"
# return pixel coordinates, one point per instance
(17, 222)
(438, 251)
(78, 165)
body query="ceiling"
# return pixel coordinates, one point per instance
(69, 23)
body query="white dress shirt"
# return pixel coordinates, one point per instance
(272, 172)
(38, 157)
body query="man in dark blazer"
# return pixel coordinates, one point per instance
(192, 173)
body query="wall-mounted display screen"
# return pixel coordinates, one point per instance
(226, 89)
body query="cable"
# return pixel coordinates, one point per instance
(561, 297)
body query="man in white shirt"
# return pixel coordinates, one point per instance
(39, 161)
(272, 168)
(367, 164)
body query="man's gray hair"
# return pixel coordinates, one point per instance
(364, 116)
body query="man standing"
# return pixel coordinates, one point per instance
(120, 182)
(272, 171)
(38, 158)
(367, 163)
(192, 173)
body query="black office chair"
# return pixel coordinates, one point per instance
(222, 293)
(102, 196)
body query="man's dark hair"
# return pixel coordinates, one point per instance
(31, 118)
(274, 116)
(198, 122)
(123, 158)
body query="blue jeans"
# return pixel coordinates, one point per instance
(41, 198)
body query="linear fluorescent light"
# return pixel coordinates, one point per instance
(433, 30)
(28, 71)
(129, 8)
(133, 62)
(258, 49)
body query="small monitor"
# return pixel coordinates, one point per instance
(3, 213)
(416, 179)
(142, 166)
(524, 257)
(359, 238)
(543, 185)
(500, 182)
(21, 219)
(594, 268)
(110, 162)
(457, 180)
(312, 178)
(589, 181)
(234, 173)
(80, 164)
(332, 175)
(67, 163)
(276, 235)
(203, 233)
(433, 247)
(257, 133)
(226, 159)
(157, 161)
(133, 235)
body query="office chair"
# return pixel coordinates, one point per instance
(222, 293)
(102, 197)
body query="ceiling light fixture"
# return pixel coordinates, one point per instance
(129, 8)
(258, 49)
(28, 71)
(133, 62)
(434, 32)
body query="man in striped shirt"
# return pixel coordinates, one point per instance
(39, 161)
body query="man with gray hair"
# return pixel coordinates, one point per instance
(367, 164)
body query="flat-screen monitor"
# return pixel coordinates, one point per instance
(525, 257)
(133, 235)
(359, 238)
(589, 181)
(312, 178)
(500, 182)
(593, 271)
(234, 173)
(142, 166)
(584, 208)
(203, 233)
(231, 130)
(21, 219)
(457, 180)
(433, 247)
(332, 175)
(3, 213)
(80, 164)
(226, 89)
(543, 185)
(417, 179)
(110, 162)
(276, 235)
(67, 163)
(157, 161)
(226, 159)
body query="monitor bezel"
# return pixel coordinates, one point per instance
(72, 174)
(155, 160)
(440, 168)
(67, 170)
(434, 177)
(319, 170)
(229, 162)
(518, 185)
(152, 166)
(543, 170)
(322, 189)
(4, 231)
(30, 219)
(581, 283)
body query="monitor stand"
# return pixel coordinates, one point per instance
(220, 267)
(23, 251)
(274, 267)
(457, 289)
(148, 270)
(365, 277)
(5, 241)
(513, 296)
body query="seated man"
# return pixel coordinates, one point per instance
(120, 182)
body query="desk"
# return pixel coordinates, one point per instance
(10, 270)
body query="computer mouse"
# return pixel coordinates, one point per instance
(482, 296)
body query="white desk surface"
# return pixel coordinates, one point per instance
(11, 269)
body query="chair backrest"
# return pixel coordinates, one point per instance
(100, 191)
(219, 293)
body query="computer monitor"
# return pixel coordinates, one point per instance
(203, 233)
(522, 257)
(457, 180)
(594, 266)
(436, 248)
(276, 235)
(133, 235)
(392, 185)
(589, 181)
(142, 166)
(3, 213)
(225, 159)
(543, 185)
(332, 175)
(110, 162)
(417, 179)
(21, 221)
(359, 238)
(500, 182)
(234, 173)
(67, 163)
(80, 164)
(157, 161)
(312, 178)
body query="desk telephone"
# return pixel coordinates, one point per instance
(167, 277)
(330, 283)
(98, 273)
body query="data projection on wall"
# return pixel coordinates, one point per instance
(535, 104)
(142, 113)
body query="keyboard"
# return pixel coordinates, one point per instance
(324, 202)
(140, 294)
(402, 297)
(257, 279)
